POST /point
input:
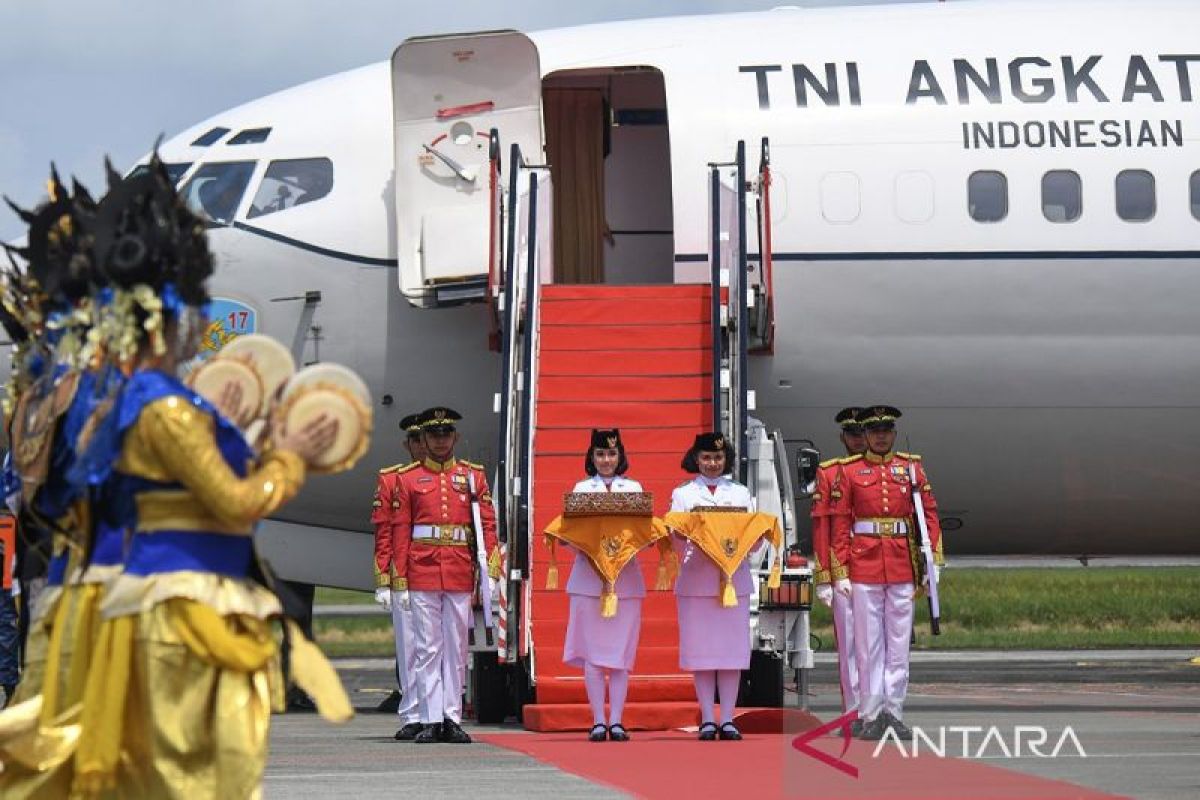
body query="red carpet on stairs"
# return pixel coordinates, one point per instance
(637, 358)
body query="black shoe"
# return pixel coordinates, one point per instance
(452, 733)
(899, 729)
(409, 732)
(390, 704)
(617, 733)
(708, 732)
(430, 734)
(872, 730)
(598, 733)
(297, 700)
(730, 733)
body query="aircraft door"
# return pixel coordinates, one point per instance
(448, 94)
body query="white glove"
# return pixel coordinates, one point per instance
(825, 594)
(842, 587)
(937, 575)
(383, 596)
(402, 598)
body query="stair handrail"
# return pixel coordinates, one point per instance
(766, 309)
(496, 277)
(730, 334)
(787, 492)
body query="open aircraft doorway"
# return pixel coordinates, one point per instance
(609, 149)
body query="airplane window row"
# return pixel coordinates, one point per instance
(1062, 195)
(216, 189)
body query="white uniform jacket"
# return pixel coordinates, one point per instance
(698, 575)
(584, 580)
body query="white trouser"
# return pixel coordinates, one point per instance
(843, 631)
(440, 622)
(406, 655)
(883, 619)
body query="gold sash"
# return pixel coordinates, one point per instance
(727, 538)
(610, 542)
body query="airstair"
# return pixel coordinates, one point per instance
(662, 363)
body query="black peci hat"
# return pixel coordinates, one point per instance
(606, 438)
(848, 419)
(713, 442)
(438, 419)
(879, 417)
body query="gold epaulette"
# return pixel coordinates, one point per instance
(830, 463)
(471, 464)
(395, 467)
(909, 456)
(400, 470)
(850, 459)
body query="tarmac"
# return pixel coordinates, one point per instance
(1134, 713)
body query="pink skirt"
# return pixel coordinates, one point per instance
(592, 639)
(712, 636)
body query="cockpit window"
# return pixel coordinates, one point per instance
(292, 183)
(174, 171)
(210, 137)
(216, 189)
(251, 136)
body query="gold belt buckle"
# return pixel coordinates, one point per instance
(447, 532)
(887, 527)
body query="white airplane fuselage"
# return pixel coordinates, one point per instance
(1046, 369)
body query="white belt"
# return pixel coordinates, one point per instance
(881, 527)
(443, 533)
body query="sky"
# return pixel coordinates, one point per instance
(80, 79)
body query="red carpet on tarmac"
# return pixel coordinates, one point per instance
(672, 764)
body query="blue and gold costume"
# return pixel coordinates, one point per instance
(185, 635)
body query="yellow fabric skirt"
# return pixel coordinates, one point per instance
(57, 671)
(179, 704)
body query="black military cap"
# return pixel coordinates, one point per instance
(879, 417)
(848, 419)
(712, 442)
(606, 438)
(411, 423)
(438, 419)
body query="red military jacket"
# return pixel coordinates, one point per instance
(432, 494)
(826, 567)
(381, 518)
(877, 489)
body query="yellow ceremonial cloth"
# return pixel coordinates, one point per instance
(609, 541)
(727, 538)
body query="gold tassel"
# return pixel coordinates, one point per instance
(773, 578)
(552, 573)
(608, 602)
(728, 595)
(668, 566)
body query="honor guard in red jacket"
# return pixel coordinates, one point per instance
(404, 701)
(874, 535)
(433, 541)
(828, 568)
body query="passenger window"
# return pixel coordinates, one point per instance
(1062, 195)
(914, 197)
(216, 189)
(1135, 195)
(1194, 191)
(987, 196)
(840, 197)
(292, 183)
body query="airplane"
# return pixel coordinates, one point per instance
(985, 213)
